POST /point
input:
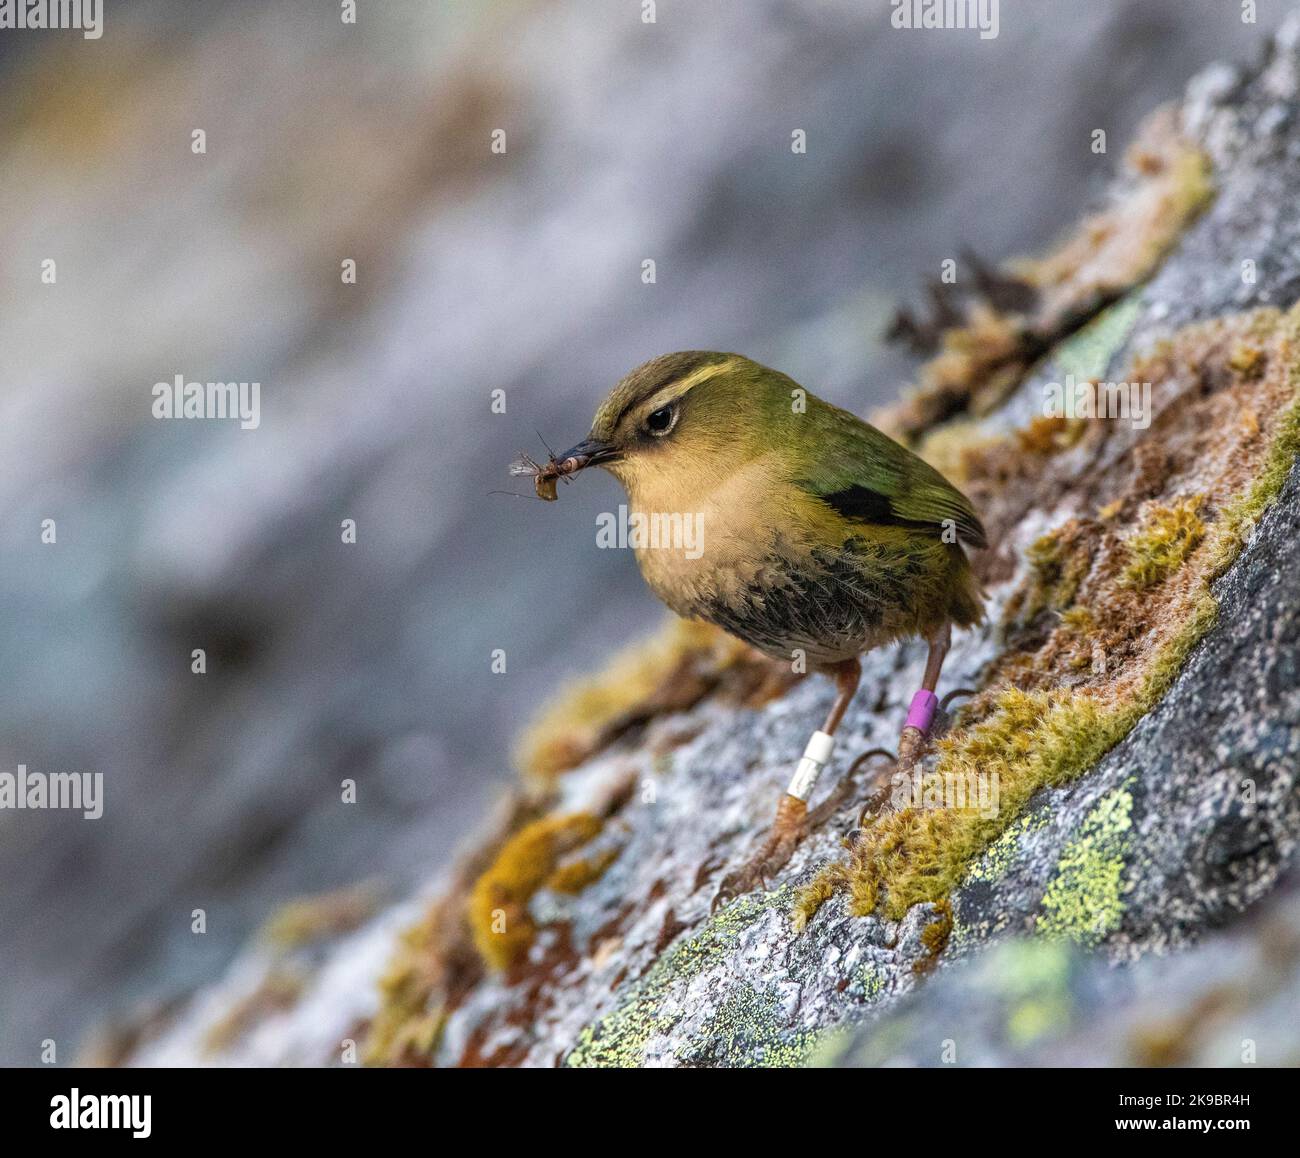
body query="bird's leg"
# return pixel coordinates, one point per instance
(915, 737)
(913, 740)
(793, 819)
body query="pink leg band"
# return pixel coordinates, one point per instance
(921, 712)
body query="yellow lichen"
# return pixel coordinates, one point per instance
(1084, 901)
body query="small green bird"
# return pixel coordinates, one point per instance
(819, 538)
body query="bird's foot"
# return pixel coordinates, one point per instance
(794, 821)
(942, 717)
(879, 781)
(788, 830)
(926, 722)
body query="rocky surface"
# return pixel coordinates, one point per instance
(1044, 949)
(476, 272)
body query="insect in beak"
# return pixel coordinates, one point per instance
(589, 452)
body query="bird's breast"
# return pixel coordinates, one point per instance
(701, 539)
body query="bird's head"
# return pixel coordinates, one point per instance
(697, 409)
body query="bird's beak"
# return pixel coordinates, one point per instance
(589, 452)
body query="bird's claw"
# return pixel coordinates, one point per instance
(737, 884)
(789, 829)
(952, 695)
(753, 876)
(879, 785)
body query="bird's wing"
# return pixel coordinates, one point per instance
(865, 476)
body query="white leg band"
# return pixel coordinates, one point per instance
(815, 757)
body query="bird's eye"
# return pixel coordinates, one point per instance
(661, 421)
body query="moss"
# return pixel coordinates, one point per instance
(1172, 184)
(1085, 899)
(409, 1020)
(498, 904)
(1247, 360)
(947, 448)
(1240, 516)
(577, 875)
(1049, 434)
(934, 937)
(1168, 535)
(1059, 561)
(1059, 725)
(985, 356)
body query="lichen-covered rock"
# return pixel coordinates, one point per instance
(1137, 719)
(1229, 1001)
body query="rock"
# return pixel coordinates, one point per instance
(1138, 718)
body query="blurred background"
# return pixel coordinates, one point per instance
(476, 271)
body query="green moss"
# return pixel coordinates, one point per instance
(1239, 517)
(587, 713)
(1044, 737)
(1060, 569)
(1167, 536)
(1085, 899)
(1059, 563)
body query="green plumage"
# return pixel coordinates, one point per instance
(846, 455)
(821, 533)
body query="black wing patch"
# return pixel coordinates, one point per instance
(868, 506)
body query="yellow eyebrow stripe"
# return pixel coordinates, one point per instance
(671, 390)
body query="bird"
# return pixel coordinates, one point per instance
(819, 538)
